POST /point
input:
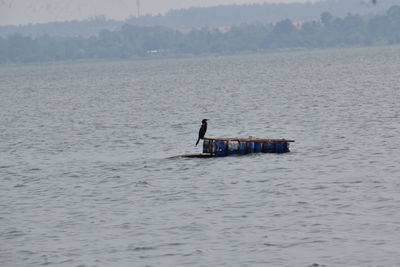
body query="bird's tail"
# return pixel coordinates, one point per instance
(198, 140)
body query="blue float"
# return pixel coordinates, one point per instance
(221, 147)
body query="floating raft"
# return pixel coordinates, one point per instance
(221, 147)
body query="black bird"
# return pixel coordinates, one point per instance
(203, 130)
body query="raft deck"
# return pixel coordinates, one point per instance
(255, 140)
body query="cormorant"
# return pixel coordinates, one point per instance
(203, 130)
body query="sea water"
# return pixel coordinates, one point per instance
(87, 178)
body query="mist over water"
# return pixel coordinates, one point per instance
(87, 178)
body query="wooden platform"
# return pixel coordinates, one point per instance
(256, 140)
(225, 146)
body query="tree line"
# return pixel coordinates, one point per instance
(230, 15)
(139, 41)
(214, 16)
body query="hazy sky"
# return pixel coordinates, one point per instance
(39, 11)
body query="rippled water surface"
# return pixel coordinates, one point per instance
(87, 178)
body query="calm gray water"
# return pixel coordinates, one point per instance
(86, 177)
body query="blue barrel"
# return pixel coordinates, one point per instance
(206, 146)
(243, 148)
(250, 147)
(233, 147)
(221, 148)
(286, 147)
(280, 147)
(257, 147)
(269, 147)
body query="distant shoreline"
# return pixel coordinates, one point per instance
(203, 56)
